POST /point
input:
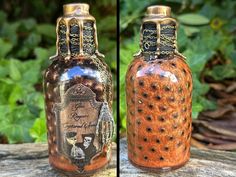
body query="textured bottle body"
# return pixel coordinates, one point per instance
(78, 115)
(158, 94)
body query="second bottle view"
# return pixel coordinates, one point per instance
(159, 96)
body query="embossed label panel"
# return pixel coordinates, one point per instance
(77, 119)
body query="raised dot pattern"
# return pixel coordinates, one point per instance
(162, 123)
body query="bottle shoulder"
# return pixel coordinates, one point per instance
(175, 68)
(175, 61)
(62, 69)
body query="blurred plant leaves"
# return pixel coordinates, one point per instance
(5, 48)
(131, 11)
(15, 123)
(107, 20)
(19, 97)
(193, 19)
(196, 108)
(47, 30)
(197, 61)
(221, 72)
(27, 24)
(3, 17)
(190, 31)
(39, 129)
(126, 56)
(14, 70)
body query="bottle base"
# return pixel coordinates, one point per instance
(77, 174)
(158, 169)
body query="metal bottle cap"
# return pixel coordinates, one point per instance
(76, 9)
(159, 10)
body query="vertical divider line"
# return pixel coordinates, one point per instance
(158, 26)
(81, 26)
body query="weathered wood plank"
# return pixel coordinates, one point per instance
(30, 160)
(203, 163)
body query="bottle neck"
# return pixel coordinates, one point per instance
(76, 37)
(158, 37)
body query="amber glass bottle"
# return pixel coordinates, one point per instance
(158, 92)
(78, 96)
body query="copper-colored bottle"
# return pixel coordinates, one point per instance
(158, 92)
(78, 96)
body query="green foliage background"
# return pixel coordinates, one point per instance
(206, 32)
(27, 40)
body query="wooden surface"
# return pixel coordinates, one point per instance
(203, 163)
(31, 160)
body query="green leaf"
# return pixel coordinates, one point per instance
(47, 30)
(3, 17)
(14, 70)
(221, 72)
(17, 94)
(41, 53)
(28, 24)
(210, 10)
(23, 52)
(123, 123)
(15, 125)
(39, 130)
(200, 89)
(111, 20)
(30, 75)
(182, 38)
(5, 90)
(207, 104)
(5, 48)
(4, 110)
(35, 102)
(197, 61)
(196, 2)
(230, 25)
(4, 65)
(233, 57)
(32, 40)
(176, 1)
(190, 31)
(193, 19)
(196, 108)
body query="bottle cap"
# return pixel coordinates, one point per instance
(76, 9)
(159, 10)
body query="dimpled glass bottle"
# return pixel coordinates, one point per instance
(78, 97)
(159, 96)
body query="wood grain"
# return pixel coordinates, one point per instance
(30, 160)
(203, 163)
